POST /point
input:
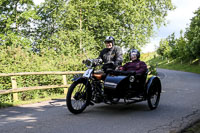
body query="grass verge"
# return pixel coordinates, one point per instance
(195, 128)
(191, 66)
(55, 96)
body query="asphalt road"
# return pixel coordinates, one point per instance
(179, 106)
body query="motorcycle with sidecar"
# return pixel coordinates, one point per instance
(110, 86)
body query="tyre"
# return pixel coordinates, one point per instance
(78, 97)
(153, 95)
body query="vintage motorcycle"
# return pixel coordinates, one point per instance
(109, 86)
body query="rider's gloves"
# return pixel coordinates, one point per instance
(100, 61)
(97, 61)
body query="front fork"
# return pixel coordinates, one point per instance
(97, 92)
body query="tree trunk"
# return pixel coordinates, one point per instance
(80, 44)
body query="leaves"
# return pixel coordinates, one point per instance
(58, 34)
(186, 47)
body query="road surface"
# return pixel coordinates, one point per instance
(179, 106)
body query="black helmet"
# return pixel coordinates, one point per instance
(136, 52)
(110, 39)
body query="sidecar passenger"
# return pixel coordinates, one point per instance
(138, 66)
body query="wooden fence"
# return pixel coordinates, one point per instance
(15, 90)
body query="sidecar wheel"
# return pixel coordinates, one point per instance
(153, 95)
(78, 97)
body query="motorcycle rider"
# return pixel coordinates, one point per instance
(136, 65)
(111, 53)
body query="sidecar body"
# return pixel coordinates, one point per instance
(129, 86)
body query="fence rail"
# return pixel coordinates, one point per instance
(15, 90)
(40, 73)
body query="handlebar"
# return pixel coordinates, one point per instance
(92, 62)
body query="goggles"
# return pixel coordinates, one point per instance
(133, 54)
(108, 41)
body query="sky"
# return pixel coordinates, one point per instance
(177, 20)
(37, 2)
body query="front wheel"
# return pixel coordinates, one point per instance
(78, 96)
(153, 95)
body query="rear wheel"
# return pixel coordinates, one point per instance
(153, 95)
(78, 97)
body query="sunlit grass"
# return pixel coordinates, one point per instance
(55, 96)
(186, 66)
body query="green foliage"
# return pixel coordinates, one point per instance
(14, 60)
(130, 22)
(58, 34)
(80, 25)
(164, 48)
(186, 47)
(15, 22)
(176, 64)
(193, 35)
(147, 58)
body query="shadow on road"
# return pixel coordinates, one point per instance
(52, 116)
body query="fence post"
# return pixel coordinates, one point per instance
(14, 86)
(65, 83)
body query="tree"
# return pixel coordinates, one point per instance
(164, 48)
(15, 22)
(193, 36)
(181, 47)
(130, 22)
(83, 23)
(171, 39)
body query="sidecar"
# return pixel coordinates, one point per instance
(130, 87)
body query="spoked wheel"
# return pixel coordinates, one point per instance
(78, 97)
(153, 96)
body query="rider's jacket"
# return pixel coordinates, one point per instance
(138, 66)
(114, 54)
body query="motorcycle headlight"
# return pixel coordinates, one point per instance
(131, 78)
(88, 63)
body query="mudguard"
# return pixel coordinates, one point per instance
(76, 79)
(86, 80)
(150, 81)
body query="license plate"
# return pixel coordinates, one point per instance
(87, 73)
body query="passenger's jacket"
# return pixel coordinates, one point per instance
(138, 66)
(114, 54)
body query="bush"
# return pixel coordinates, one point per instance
(13, 60)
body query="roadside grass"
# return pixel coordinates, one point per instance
(17, 103)
(193, 67)
(172, 64)
(195, 128)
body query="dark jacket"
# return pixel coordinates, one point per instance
(138, 66)
(114, 54)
